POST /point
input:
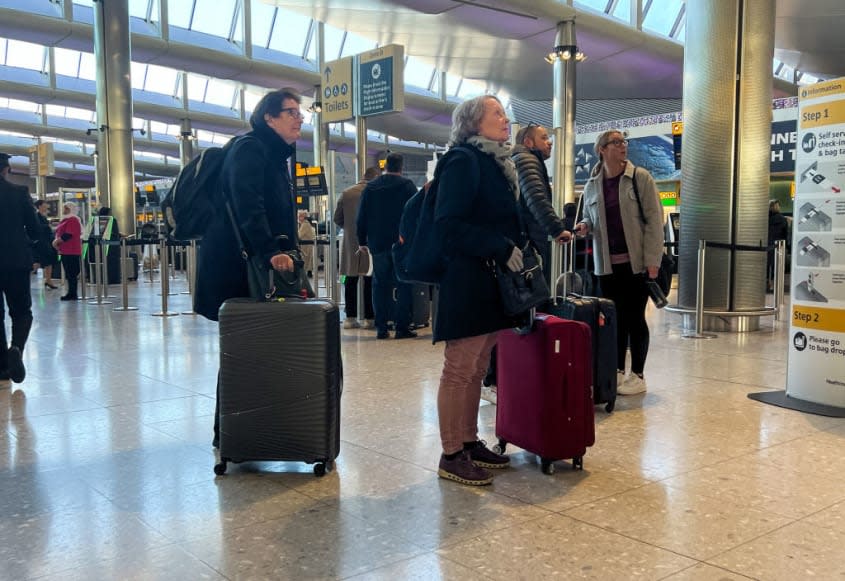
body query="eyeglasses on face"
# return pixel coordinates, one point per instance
(617, 142)
(294, 112)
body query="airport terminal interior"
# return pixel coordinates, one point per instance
(106, 457)
(106, 468)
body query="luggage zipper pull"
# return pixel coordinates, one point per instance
(601, 319)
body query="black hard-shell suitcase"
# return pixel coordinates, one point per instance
(421, 305)
(600, 315)
(280, 382)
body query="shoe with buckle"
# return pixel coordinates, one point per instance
(462, 469)
(635, 384)
(484, 457)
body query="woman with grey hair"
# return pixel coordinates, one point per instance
(627, 247)
(68, 243)
(477, 219)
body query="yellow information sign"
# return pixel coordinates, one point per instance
(820, 319)
(337, 91)
(677, 128)
(823, 114)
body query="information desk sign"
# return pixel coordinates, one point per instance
(337, 104)
(381, 80)
(816, 370)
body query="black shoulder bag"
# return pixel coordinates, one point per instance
(267, 283)
(524, 290)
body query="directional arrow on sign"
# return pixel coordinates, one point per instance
(327, 72)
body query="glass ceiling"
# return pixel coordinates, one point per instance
(292, 33)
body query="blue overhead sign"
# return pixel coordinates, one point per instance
(381, 81)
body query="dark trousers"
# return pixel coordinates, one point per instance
(628, 291)
(384, 285)
(14, 286)
(71, 264)
(350, 297)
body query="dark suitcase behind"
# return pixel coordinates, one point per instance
(600, 315)
(421, 306)
(280, 382)
(544, 402)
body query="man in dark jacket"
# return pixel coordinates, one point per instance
(255, 180)
(533, 147)
(778, 230)
(18, 229)
(378, 228)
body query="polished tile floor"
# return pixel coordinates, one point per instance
(106, 469)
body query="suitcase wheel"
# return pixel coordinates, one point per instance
(220, 468)
(500, 447)
(609, 406)
(547, 466)
(322, 468)
(578, 463)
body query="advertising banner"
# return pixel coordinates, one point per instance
(816, 371)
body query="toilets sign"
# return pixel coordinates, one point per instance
(816, 371)
(381, 81)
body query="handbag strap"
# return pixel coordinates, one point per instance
(637, 196)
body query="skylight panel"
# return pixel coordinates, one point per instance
(213, 17)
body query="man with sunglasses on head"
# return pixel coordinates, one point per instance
(255, 180)
(533, 146)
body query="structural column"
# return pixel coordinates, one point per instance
(115, 167)
(186, 142)
(725, 161)
(565, 56)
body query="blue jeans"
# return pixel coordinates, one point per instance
(384, 283)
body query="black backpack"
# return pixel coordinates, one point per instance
(191, 202)
(418, 256)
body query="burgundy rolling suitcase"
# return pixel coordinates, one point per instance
(600, 315)
(545, 403)
(280, 382)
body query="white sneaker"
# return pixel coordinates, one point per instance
(634, 385)
(368, 324)
(488, 393)
(620, 377)
(351, 324)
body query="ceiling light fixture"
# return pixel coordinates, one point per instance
(565, 53)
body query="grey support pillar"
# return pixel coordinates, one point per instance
(725, 163)
(186, 142)
(320, 130)
(360, 146)
(115, 167)
(563, 118)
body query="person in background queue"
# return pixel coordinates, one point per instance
(68, 243)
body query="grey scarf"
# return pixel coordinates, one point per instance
(501, 152)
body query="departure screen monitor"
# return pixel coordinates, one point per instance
(310, 181)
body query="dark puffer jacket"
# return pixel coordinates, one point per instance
(539, 215)
(476, 217)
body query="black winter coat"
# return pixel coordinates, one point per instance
(541, 220)
(382, 202)
(477, 219)
(18, 227)
(255, 179)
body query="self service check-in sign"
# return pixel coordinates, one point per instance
(337, 90)
(381, 80)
